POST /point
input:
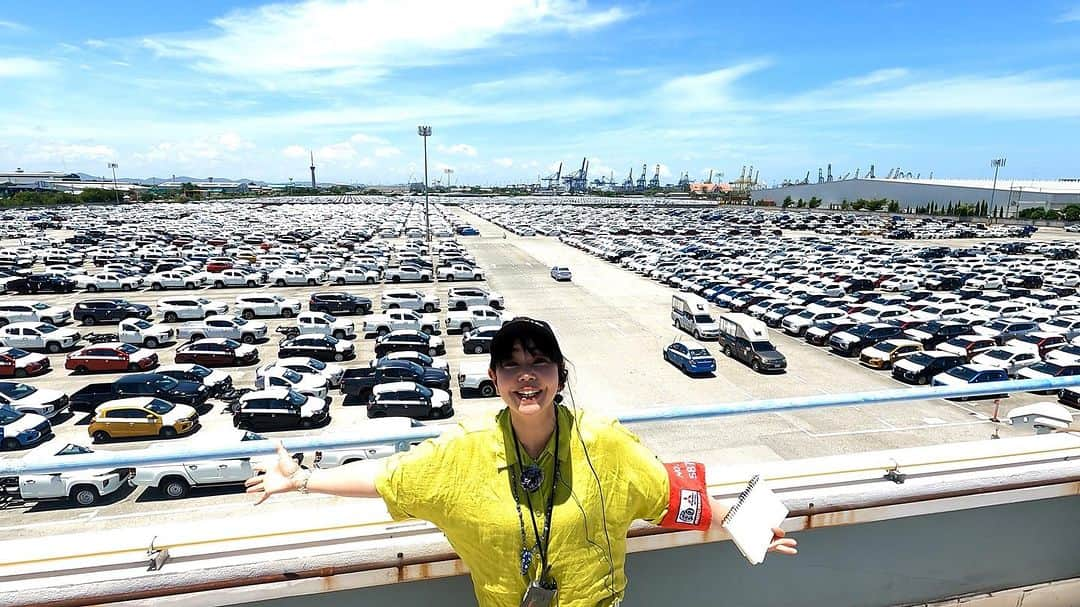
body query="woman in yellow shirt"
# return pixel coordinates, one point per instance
(538, 501)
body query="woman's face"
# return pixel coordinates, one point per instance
(527, 383)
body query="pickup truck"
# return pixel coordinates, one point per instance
(473, 317)
(233, 278)
(360, 380)
(140, 384)
(473, 379)
(175, 481)
(83, 487)
(321, 323)
(38, 336)
(225, 327)
(459, 271)
(394, 320)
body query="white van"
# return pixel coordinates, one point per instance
(691, 314)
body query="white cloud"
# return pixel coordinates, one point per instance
(337, 152)
(711, 91)
(62, 152)
(362, 138)
(11, 25)
(192, 150)
(95, 43)
(387, 152)
(294, 151)
(233, 142)
(504, 162)
(459, 149)
(1070, 15)
(21, 67)
(877, 77)
(361, 40)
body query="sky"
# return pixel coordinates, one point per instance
(512, 87)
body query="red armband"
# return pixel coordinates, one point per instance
(688, 497)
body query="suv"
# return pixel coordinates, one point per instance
(250, 306)
(280, 407)
(852, 341)
(478, 341)
(460, 298)
(40, 283)
(94, 311)
(921, 367)
(411, 300)
(336, 302)
(937, 332)
(31, 311)
(408, 399)
(1002, 330)
(141, 417)
(416, 341)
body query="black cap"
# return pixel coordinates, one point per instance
(534, 335)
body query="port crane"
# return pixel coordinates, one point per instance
(654, 183)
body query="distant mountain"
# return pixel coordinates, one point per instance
(153, 180)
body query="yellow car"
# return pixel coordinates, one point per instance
(141, 417)
(884, 354)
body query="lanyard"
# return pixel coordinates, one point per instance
(541, 543)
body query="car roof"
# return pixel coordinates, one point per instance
(138, 401)
(273, 392)
(394, 387)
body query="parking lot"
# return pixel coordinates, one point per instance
(613, 325)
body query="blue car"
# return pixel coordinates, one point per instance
(691, 357)
(18, 429)
(965, 375)
(468, 231)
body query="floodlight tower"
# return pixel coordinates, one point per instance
(425, 131)
(313, 186)
(997, 163)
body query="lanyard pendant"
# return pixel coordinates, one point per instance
(526, 560)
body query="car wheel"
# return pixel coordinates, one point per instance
(383, 331)
(218, 284)
(397, 279)
(251, 283)
(174, 487)
(461, 306)
(338, 357)
(20, 372)
(197, 336)
(923, 380)
(167, 432)
(477, 349)
(247, 338)
(339, 334)
(150, 342)
(306, 422)
(84, 495)
(311, 282)
(697, 334)
(487, 389)
(478, 277)
(371, 281)
(92, 288)
(189, 285)
(286, 313)
(9, 444)
(755, 365)
(248, 314)
(727, 350)
(429, 308)
(449, 278)
(88, 321)
(53, 347)
(280, 282)
(101, 436)
(133, 367)
(170, 317)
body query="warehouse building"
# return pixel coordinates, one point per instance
(1011, 196)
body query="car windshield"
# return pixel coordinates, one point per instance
(1047, 368)
(232, 343)
(316, 364)
(160, 407)
(142, 324)
(202, 300)
(963, 372)
(200, 371)
(239, 321)
(703, 318)
(40, 306)
(291, 375)
(17, 353)
(44, 328)
(699, 353)
(70, 449)
(997, 325)
(166, 383)
(331, 318)
(763, 346)
(8, 415)
(296, 398)
(278, 298)
(333, 341)
(1000, 354)
(127, 349)
(16, 391)
(424, 391)
(807, 314)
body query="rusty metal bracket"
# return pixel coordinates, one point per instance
(893, 474)
(156, 557)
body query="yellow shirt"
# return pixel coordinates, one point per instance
(460, 481)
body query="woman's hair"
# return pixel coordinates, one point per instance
(535, 337)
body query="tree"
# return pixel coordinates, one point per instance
(845, 205)
(894, 206)
(875, 205)
(801, 204)
(787, 202)
(814, 203)
(858, 204)
(97, 196)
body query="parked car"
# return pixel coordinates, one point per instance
(141, 417)
(322, 347)
(225, 327)
(747, 339)
(32, 311)
(691, 357)
(460, 298)
(1002, 330)
(157, 385)
(355, 275)
(883, 355)
(38, 336)
(280, 408)
(310, 385)
(853, 340)
(110, 358)
(321, 323)
(101, 311)
(108, 281)
(819, 333)
(33, 399)
(175, 481)
(1038, 342)
(229, 277)
(407, 274)
(215, 380)
(408, 399)
(41, 283)
(331, 372)
(410, 300)
(19, 430)
(360, 381)
(936, 332)
(252, 306)
(971, 373)
(173, 279)
(1009, 359)
(561, 273)
(335, 302)
(217, 352)
(478, 340)
(474, 316)
(968, 346)
(81, 487)
(142, 332)
(420, 358)
(459, 271)
(416, 341)
(1046, 370)
(296, 276)
(16, 362)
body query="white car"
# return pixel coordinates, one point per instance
(144, 333)
(227, 327)
(321, 323)
(407, 274)
(84, 487)
(38, 336)
(460, 298)
(561, 273)
(294, 276)
(424, 360)
(395, 320)
(331, 372)
(181, 308)
(108, 281)
(31, 399)
(233, 278)
(875, 313)
(473, 378)
(176, 480)
(474, 316)
(797, 324)
(459, 271)
(935, 312)
(354, 275)
(32, 311)
(270, 376)
(250, 306)
(410, 300)
(21, 363)
(1007, 358)
(172, 279)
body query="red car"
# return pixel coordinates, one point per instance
(111, 357)
(218, 266)
(217, 352)
(15, 362)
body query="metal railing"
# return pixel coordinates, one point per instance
(401, 439)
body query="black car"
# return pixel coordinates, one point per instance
(820, 332)
(478, 341)
(97, 311)
(319, 347)
(280, 408)
(852, 341)
(412, 341)
(42, 283)
(336, 302)
(217, 385)
(937, 332)
(408, 399)
(921, 367)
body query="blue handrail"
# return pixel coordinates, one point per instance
(401, 439)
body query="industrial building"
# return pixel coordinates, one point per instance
(1011, 196)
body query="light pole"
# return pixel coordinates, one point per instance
(425, 132)
(114, 166)
(997, 163)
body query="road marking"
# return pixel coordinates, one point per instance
(896, 429)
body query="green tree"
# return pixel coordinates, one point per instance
(97, 196)
(894, 206)
(875, 205)
(787, 202)
(858, 204)
(814, 203)
(801, 204)
(845, 205)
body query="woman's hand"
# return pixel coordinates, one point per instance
(781, 544)
(273, 478)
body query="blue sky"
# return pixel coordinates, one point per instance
(511, 87)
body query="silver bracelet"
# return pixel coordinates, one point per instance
(302, 486)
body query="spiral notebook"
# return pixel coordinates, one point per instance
(751, 520)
